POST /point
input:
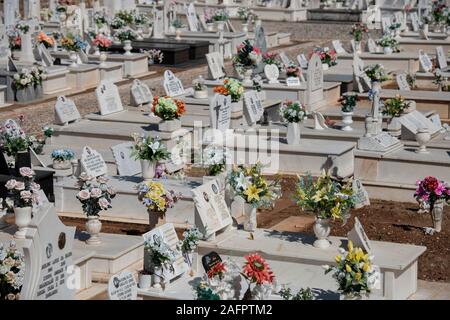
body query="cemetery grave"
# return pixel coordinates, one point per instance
(179, 150)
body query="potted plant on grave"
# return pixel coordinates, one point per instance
(161, 257)
(157, 200)
(328, 198)
(149, 151)
(257, 271)
(395, 107)
(358, 31)
(155, 55)
(170, 111)
(439, 79)
(233, 88)
(191, 237)
(220, 17)
(72, 44)
(327, 56)
(95, 195)
(127, 16)
(272, 58)
(208, 14)
(200, 90)
(247, 58)
(245, 14)
(388, 43)
(435, 194)
(255, 191)
(45, 39)
(117, 23)
(178, 25)
(293, 72)
(293, 113)
(62, 158)
(24, 194)
(12, 272)
(101, 43)
(125, 36)
(354, 273)
(100, 19)
(439, 12)
(23, 86)
(38, 74)
(348, 104)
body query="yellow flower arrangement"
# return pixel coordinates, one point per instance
(153, 195)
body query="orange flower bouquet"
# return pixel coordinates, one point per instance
(45, 39)
(168, 108)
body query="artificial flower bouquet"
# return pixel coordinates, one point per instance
(155, 198)
(117, 23)
(248, 183)
(102, 42)
(220, 15)
(348, 102)
(293, 71)
(215, 159)
(257, 271)
(100, 19)
(293, 112)
(127, 16)
(248, 56)
(38, 74)
(439, 78)
(168, 108)
(439, 11)
(70, 42)
(24, 193)
(62, 155)
(327, 56)
(45, 39)
(13, 139)
(155, 55)
(325, 196)
(22, 27)
(430, 190)
(245, 14)
(272, 58)
(161, 255)
(191, 237)
(140, 19)
(95, 195)
(125, 34)
(358, 30)
(231, 87)
(376, 72)
(23, 79)
(354, 272)
(387, 41)
(148, 148)
(12, 272)
(395, 107)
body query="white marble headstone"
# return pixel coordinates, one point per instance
(126, 165)
(140, 93)
(215, 65)
(172, 85)
(441, 58)
(108, 98)
(303, 62)
(402, 82)
(192, 18)
(220, 112)
(158, 24)
(122, 286)
(253, 108)
(65, 111)
(338, 47)
(272, 73)
(415, 120)
(425, 62)
(92, 162)
(360, 194)
(359, 237)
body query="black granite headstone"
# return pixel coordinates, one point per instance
(210, 260)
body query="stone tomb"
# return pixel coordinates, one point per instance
(108, 98)
(140, 94)
(65, 111)
(92, 162)
(57, 76)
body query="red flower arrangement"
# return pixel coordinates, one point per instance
(257, 270)
(217, 270)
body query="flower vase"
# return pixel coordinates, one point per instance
(250, 223)
(322, 230)
(437, 213)
(358, 47)
(177, 34)
(423, 136)
(220, 25)
(237, 106)
(347, 121)
(22, 220)
(144, 280)
(38, 91)
(127, 47)
(93, 227)
(156, 219)
(73, 56)
(62, 164)
(245, 27)
(102, 59)
(157, 276)
(200, 94)
(96, 51)
(387, 50)
(248, 77)
(169, 125)
(22, 95)
(261, 292)
(210, 27)
(148, 169)
(325, 66)
(293, 133)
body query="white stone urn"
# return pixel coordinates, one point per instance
(62, 164)
(148, 169)
(157, 276)
(201, 94)
(73, 56)
(220, 25)
(169, 125)
(102, 59)
(96, 51)
(144, 280)
(322, 231)
(245, 27)
(250, 223)
(127, 47)
(387, 50)
(248, 77)
(423, 136)
(93, 227)
(293, 133)
(437, 214)
(347, 120)
(22, 220)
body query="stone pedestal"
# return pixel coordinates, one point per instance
(83, 77)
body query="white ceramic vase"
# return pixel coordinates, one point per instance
(248, 77)
(358, 47)
(245, 27)
(261, 291)
(93, 227)
(201, 94)
(423, 136)
(177, 34)
(169, 125)
(437, 214)
(325, 66)
(102, 59)
(220, 25)
(293, 133)
(148, 169)
(157, 276)
(61, 165)
(387, 50)
(96, 51)
(250, 223)
(322, 231)
(127, 47)
(22, 220)
(73, 56)
(347, 120)
(144, 280)
(210, 27)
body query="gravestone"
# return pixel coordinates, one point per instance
(47, 58)
(12, 67)
(140, 94)
(361, 81)
(253, 110)
(338, 47)
(172, 85)
(385, 23)
(293, 81)
(192, 18)
(260, 39)
(402, 82)
(441, 58)
(83, 57)
(271, 72)
(436, 120)
(220, 112)
(65, 111)
(36, 161)
(122, 286)
(215, 65)
(360, 194)
(382, 143)
(158, 24)
(211, 210)
(92, 162)
(108, 98)
(210, 260)
(126, 165)
(302, 61)
(285, 59)
(359, 237)
(166, 233)
(425, 62)
(413, 121)
(415, 21)
(49, 270)
(372, 46)
(314, 82)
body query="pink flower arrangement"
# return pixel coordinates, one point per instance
(293, 71)
(326, 55)
(430, 190)
(95, 195)
(24, 193)
(102, 42)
